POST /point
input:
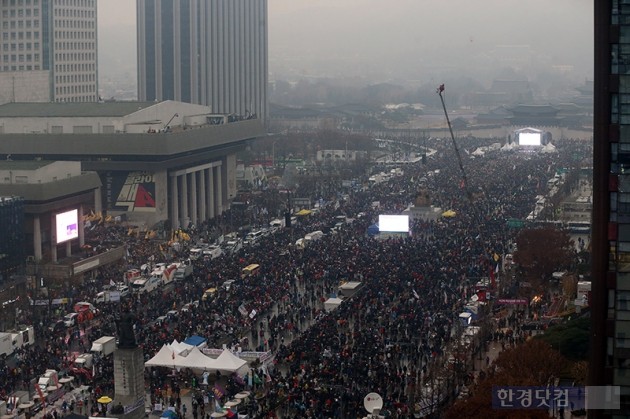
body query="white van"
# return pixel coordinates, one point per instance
(253, 236)
(212, 252)
(314, 236)
(143, 285)
(195, 253)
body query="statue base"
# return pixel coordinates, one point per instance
(129, 399)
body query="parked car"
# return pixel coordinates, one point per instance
(71, 319)
(57, 326)
(124, 290)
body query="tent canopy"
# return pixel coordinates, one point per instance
(180, 348)
(449, 213)
(229, 362)
(303, 212)
(165, 357)
(196, 360)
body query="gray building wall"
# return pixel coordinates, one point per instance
(210, 52)
(55, 37)
(24, 86)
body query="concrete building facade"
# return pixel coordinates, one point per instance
(57, 37)
(209, 52)
(610, 241)
(159, 162)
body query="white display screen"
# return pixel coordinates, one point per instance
(529, 138)
(393, 223)
(67, 225)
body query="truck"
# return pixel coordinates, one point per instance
(131, 275)
(104, 345)
(12, 340)
(183, 272)
(6, 344)
(164, 273)
(232, 246)
(195, 253)
(25, 336)
(84, 361)
(146, 284)
(107, 297)
(168, 275)
(212, 252)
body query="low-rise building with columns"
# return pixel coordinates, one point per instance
(169, 162)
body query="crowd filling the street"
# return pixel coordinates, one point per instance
(394, 335)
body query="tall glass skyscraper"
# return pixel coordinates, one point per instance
(208, 52)
(610, 296)
(50, 44)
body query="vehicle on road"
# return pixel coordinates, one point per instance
(71, 319)
(250, 270)
(183, 271)
(105, 345)
(57, 326)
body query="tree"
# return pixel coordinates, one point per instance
(571, 338)
(542, 251)
(533, 363)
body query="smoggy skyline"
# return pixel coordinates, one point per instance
(403, 41)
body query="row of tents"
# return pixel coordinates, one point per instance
(180, 355)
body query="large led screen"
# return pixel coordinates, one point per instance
(393, 223)
(529, 138)
(67, 224)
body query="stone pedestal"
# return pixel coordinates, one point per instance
(129, 383)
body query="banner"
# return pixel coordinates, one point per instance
(520, 301)
(218, 391)
(40, 394)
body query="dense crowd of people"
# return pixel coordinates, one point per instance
(384, 339)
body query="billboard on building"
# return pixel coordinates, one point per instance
(130, 191)
(67, 225)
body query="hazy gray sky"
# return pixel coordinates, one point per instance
(398, 38)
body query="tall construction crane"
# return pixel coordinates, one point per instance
(440, 89)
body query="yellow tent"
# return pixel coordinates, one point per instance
(449, 214)
(303, 212)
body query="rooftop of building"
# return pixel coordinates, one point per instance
(23, 164)
(71, 109)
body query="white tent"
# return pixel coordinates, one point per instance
(549, 148)
(229, 362)
(164, 358)
(181, 348)
(332, 303)
(198, 361)
(478, 152)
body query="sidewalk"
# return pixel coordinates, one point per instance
(487, 358)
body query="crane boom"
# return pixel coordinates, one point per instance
(440, 89)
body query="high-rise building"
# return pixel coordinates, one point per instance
(610, 295)
(207, 52)
(48, 51)
(11, 231)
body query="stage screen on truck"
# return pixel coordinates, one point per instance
(67, 224)
(529, 138)
(393, 223)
